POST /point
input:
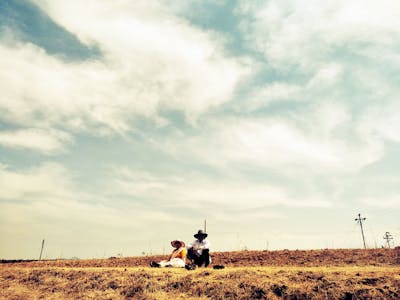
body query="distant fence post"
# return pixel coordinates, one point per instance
(41, 250)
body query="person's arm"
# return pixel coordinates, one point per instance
(205, 245)
(172, 255)
(194, 245)
(175, 253)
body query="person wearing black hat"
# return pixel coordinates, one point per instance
(199, 251)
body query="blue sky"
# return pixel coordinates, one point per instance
(124, 125)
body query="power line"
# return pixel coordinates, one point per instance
(360, 221)
(388, 237)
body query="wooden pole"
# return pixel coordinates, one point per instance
(41, 250)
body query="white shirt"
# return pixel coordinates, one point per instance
(204, 244)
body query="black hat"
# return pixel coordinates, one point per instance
(200, 233)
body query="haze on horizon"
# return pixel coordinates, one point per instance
(125, 124)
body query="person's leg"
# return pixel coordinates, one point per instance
(205, 255)
(177, 263)
(154, 264)
(203, 259)
(194, 256)
(164, 263)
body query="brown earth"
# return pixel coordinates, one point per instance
(313, 274)
(306, 258)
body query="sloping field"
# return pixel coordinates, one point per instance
(317, 274)
(307, 258)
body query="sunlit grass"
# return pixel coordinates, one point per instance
(369, 276)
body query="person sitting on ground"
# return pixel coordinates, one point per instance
(199, 251)
(177, 258)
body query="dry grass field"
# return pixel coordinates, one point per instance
(314, 274)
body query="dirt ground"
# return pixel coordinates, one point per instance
(314, 274)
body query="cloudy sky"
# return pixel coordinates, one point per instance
(124, 124)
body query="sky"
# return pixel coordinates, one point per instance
(125, 124)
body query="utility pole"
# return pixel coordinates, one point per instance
(205, 225)
(360, 220)
(388, 237)
(41, 250)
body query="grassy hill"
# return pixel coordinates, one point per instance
(313, 274)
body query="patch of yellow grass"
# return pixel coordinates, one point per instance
(230, 283)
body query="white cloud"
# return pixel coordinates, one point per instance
(46, 141)
(46, 202)
(309, 142)
(338, 50)
(326, 77)
(48, 182)
(275, 92)
(45, 91)
(278, 144)
(380, 123)
(152, 60)
(345, 53)
(326, 117)
(385, 201)
(196, 191)
(293, 33)
(51, 191)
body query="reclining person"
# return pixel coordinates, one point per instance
(199, 251)
(177, 259)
